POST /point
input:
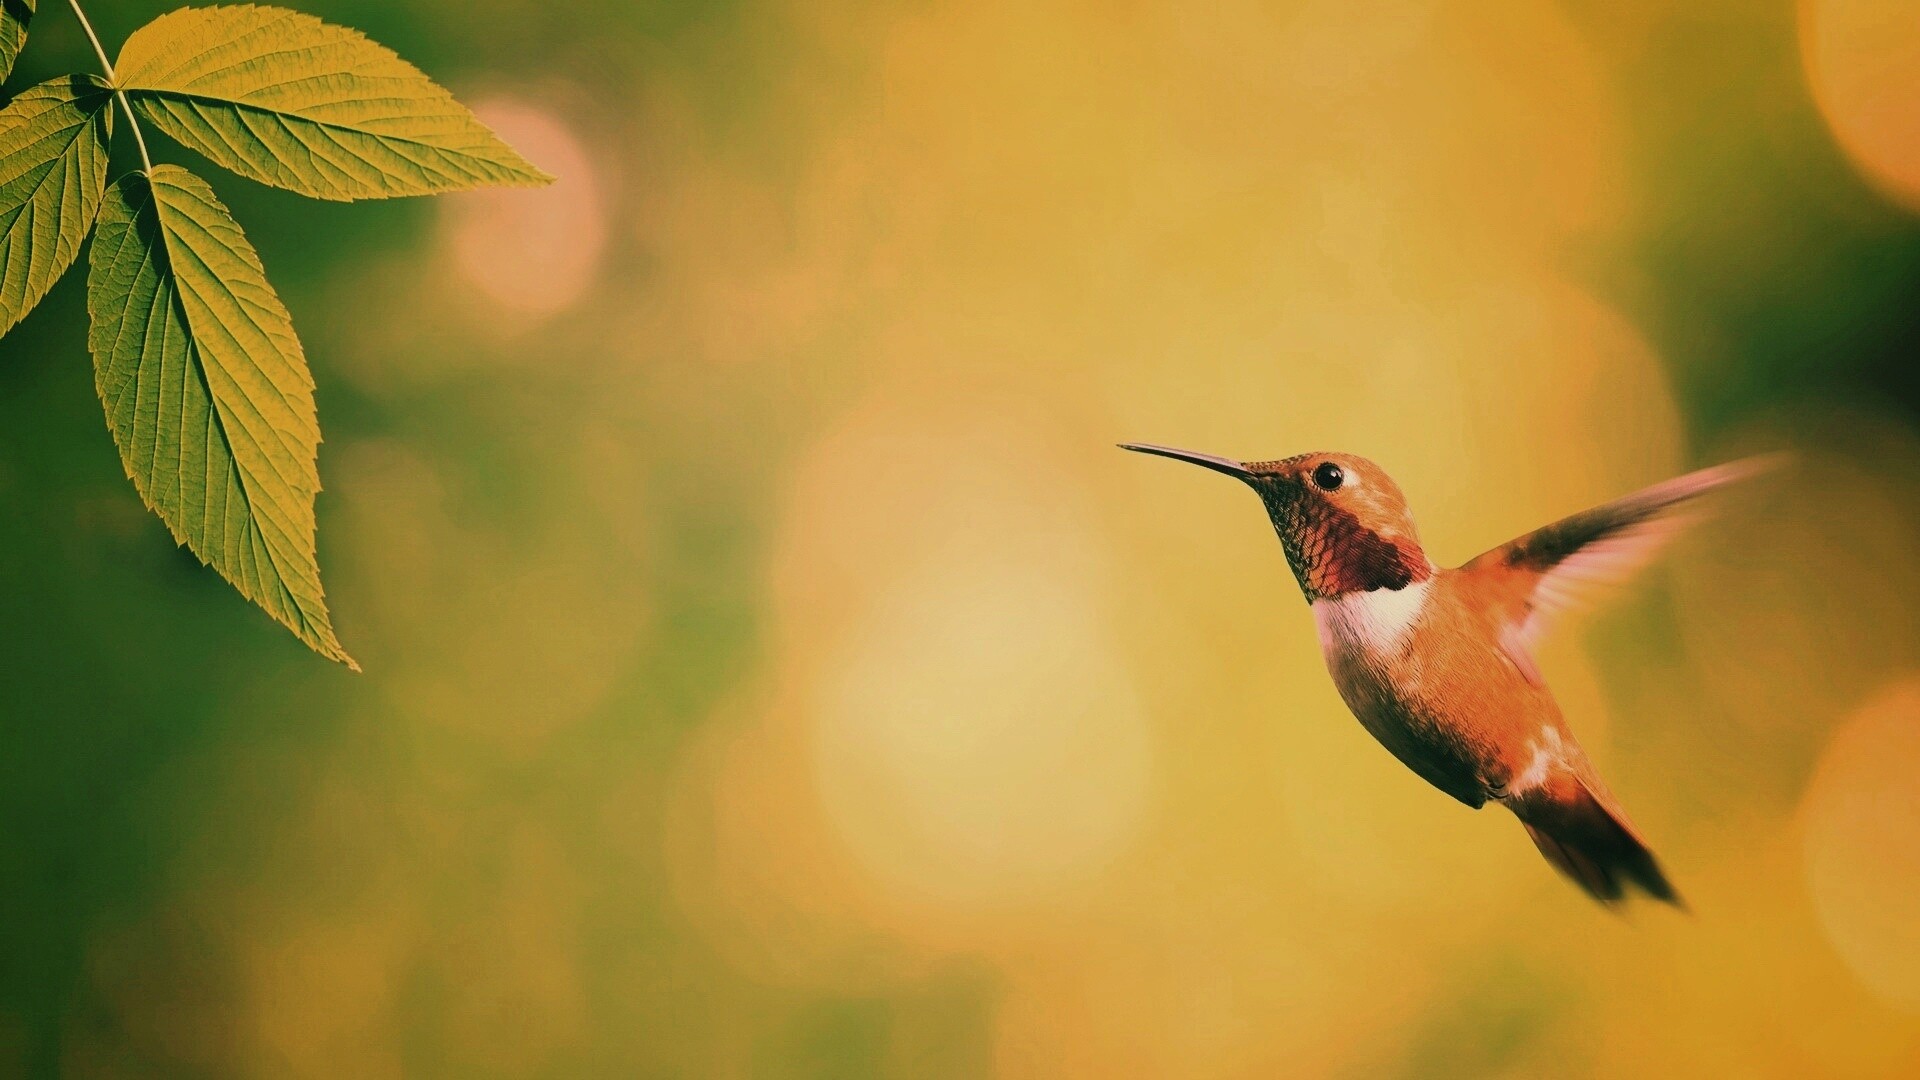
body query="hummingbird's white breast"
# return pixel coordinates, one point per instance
(1369, 626)
(1373, 642)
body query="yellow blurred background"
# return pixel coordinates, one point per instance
(773, 670)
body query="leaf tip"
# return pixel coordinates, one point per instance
(322, 641)
(527, 175)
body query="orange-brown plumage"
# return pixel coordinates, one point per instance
(1436, 663)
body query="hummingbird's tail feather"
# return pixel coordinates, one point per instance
(1590, 843)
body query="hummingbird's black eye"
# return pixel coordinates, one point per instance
(1328, 476)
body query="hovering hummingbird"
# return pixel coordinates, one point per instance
(1437, 664)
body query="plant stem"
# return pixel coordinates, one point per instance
(119, 95)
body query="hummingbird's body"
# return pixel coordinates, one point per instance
(1436, 663)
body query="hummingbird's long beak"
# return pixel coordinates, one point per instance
(1206, 461)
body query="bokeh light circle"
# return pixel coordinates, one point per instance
(533, 252)
(976, 741)
(1775, 642)
(1860, 821)
(1862, 60)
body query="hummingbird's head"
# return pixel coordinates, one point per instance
(1342, 520)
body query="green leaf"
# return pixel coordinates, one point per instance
(207, 391)
(53, 170)
(14, 16)
(285, 99)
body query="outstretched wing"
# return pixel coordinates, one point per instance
(1555, 567)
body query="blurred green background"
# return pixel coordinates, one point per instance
(773, 671)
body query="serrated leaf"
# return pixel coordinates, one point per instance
(14, 16)
(207, 391)
(285, 99)
(53, 169)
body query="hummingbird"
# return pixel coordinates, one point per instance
(1437, 663)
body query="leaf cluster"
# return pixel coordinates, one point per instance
(204, 383)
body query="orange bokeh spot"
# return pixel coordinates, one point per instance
(532, 251)
(1862, 59)
(1861, 822)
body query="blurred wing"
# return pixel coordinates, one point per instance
(1557, 567)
